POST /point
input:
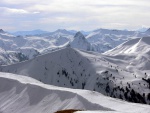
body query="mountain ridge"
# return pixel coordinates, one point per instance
(68, 68)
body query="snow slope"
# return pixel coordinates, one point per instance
(135, 52)
(74, 68)
(103, 40)
(17, 95)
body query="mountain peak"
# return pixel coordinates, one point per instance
(64, 31)
(80, 42)
(1, 31)
(61, 30)
(79, 34)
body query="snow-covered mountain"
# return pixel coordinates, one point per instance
(142, 29)
(62, 31)
(65, 59)
(33, 32)
(20, 94)
(29, 52)
(135, 52)
(10, 57)
(31, 46)
(74, 68)
(103, 40)
(80, 42)
(100, 40)
(11, 50)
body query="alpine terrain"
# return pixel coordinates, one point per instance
(102, 71)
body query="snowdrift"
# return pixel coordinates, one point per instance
(20, 94)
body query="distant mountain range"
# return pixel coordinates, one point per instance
(33, 43)
(33, 32)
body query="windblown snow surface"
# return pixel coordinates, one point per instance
(20, 94)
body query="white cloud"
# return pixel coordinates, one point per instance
(6, 10)
(17, 11)
(12, 11)
(79, 14)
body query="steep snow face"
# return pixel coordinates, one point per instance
(86, 70)
(80, 42)
(135, 52)
(17, 95)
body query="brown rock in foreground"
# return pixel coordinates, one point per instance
(67, 111)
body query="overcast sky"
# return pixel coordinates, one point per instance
(74, 14)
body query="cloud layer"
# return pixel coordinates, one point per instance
(73, 14)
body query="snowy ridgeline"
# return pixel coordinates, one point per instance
(34, 43)
(20, 94)
(74, 68)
